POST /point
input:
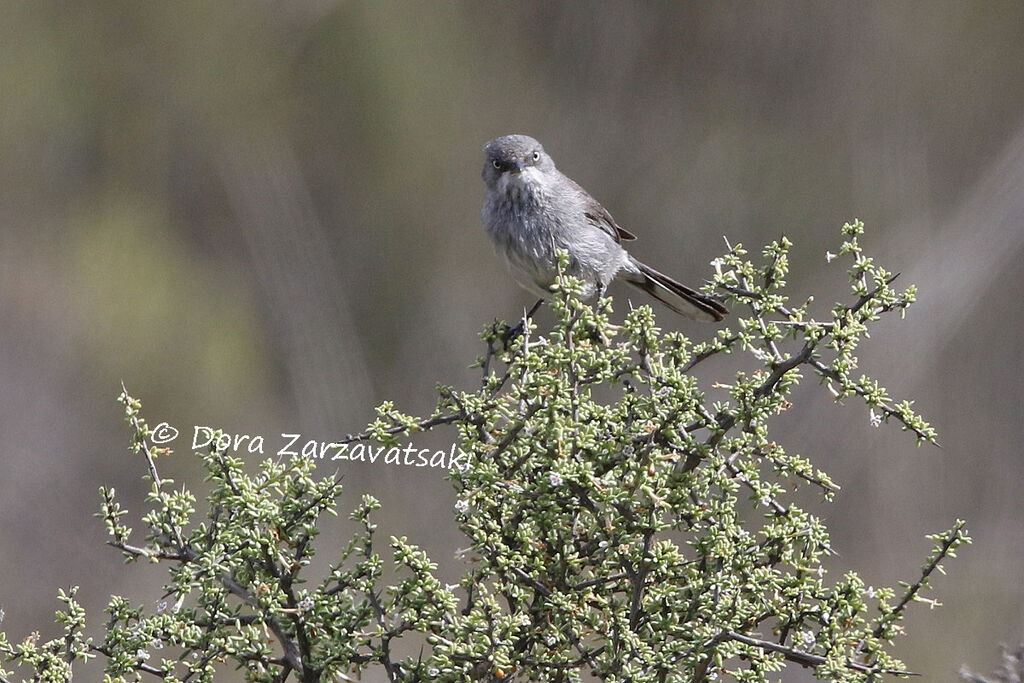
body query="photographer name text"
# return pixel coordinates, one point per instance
(294, 446)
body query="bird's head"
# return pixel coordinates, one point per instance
(514, 162)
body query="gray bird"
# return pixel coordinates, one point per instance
(531, 210)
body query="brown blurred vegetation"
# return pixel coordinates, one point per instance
(265, 217)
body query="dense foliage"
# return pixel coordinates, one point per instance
(623, 521)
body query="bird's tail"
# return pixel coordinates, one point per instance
(685, 301)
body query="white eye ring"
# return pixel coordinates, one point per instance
(536, 156)
(496, 164)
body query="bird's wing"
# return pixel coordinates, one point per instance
(602, 219)
(599, 217)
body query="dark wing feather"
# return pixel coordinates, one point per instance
(599, 217)
(602, 219)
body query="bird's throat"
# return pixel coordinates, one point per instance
(525, 186)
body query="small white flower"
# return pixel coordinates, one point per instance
(765, 499)
(161, 606)
(461, 506)
(627, 451)
(157, 644)
(141, 655)
(450, 587)
(807, 638)
(870, 592)
(874, 418)
(433, 672)
(830, 257)
(463, 466)
(306, 604)
(555, 479)
(551, 641)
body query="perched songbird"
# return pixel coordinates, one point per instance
(531, 210)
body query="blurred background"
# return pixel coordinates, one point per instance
(264, 217)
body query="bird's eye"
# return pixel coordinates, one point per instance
(536, 156)
(496, 164)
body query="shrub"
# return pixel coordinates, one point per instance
(621, 523)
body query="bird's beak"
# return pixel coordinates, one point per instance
(519, 166)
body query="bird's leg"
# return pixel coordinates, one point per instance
(513, 332)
